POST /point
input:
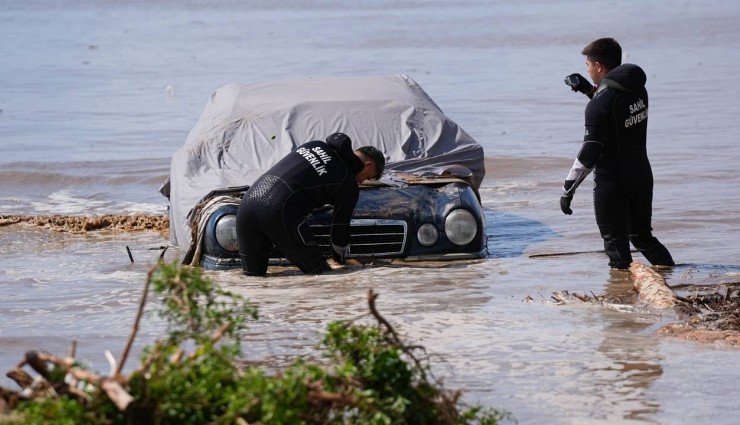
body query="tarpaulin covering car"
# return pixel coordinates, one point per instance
(426, 205)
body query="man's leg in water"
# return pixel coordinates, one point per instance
(611, 219)
(641, 229)
(255, 255)
(254, 246)
(301, 248)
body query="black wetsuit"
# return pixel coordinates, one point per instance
(614, 146)
(274, 209)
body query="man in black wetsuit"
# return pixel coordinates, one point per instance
(614, 146)
(274, 209)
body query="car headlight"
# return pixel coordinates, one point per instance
(461, 227)
(226, 233)
(427, 234)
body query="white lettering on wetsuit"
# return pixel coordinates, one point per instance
(318, 163)
(323, 155)
(638, 113)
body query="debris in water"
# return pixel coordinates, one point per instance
(710, 313)
(652, 287)
(83, 224)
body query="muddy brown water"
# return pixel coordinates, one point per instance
(96, 96)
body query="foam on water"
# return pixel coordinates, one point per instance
(63, 202)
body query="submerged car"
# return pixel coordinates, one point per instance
(426, 205)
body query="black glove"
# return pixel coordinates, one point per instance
(565, 204)
(579, 83)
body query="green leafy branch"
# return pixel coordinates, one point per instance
(192, 375)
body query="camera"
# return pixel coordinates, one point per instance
(572, 80)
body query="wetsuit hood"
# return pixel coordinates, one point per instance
(343, 145)
(625, 77)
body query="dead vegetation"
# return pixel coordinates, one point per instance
(83, 224)
(708, 313)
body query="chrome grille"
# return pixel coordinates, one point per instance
(369, 237)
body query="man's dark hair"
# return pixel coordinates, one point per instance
(377, 157)
(605, 51)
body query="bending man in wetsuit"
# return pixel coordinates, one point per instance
(274, 209)
(614, 146)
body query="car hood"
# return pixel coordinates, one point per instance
(246, 128)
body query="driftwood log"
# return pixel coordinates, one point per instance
(652, 288)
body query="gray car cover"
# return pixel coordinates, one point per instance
(246, 128)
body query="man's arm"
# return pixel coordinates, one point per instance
(583, 165)
(596, 125)
(344, 204)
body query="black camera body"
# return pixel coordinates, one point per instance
(579, 83)
(572, 81)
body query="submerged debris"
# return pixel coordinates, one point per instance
(567, 297)
(709, 313)
(688, 332)
(83, 224)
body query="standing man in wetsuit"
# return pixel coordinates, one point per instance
(274, 209)
(614, 146)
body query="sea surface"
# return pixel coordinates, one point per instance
(96, 96)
